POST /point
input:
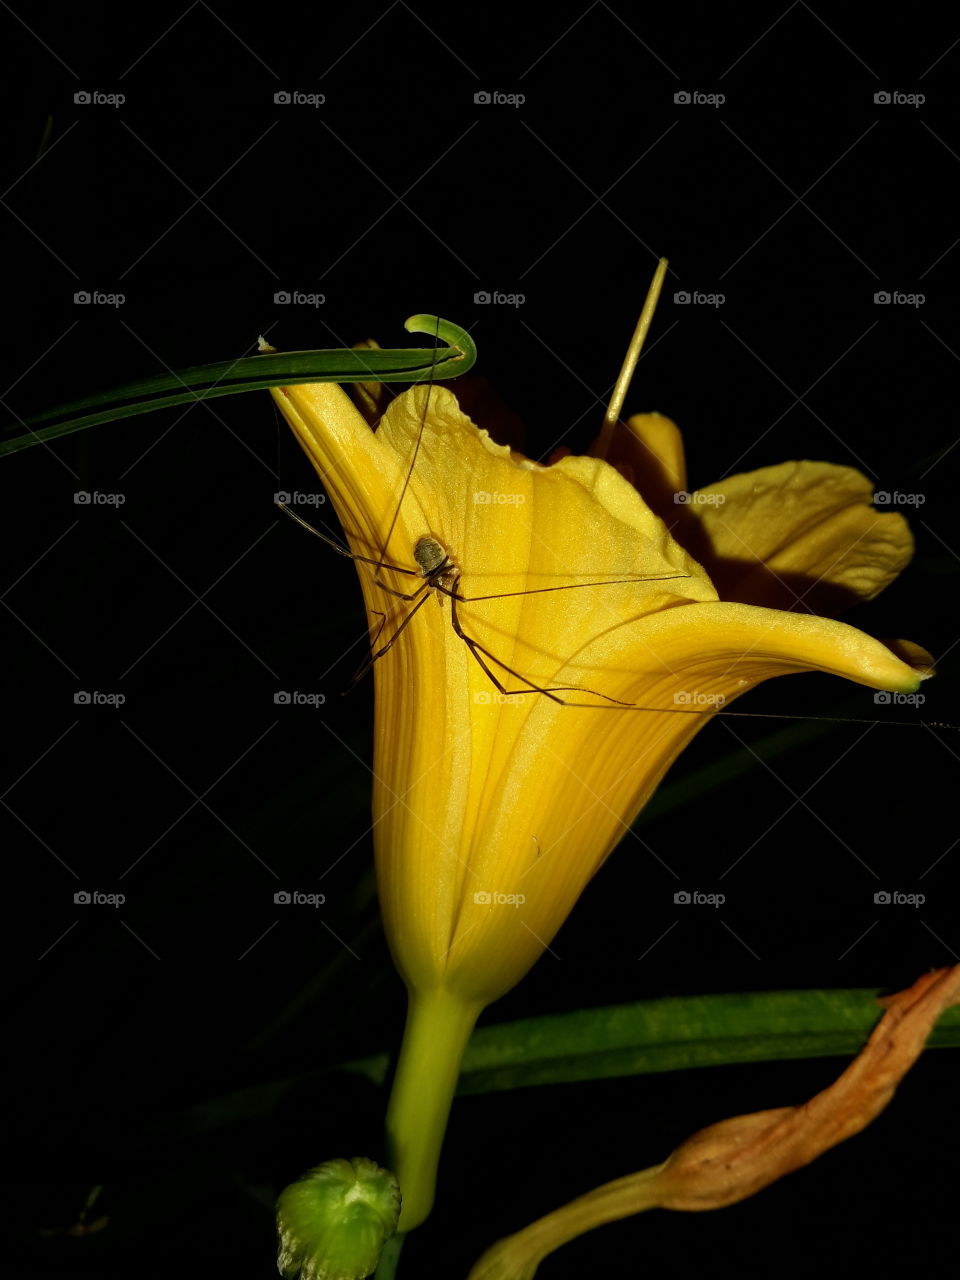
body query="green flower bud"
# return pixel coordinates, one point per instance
(334, 1221)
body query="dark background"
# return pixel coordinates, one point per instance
(199, 198)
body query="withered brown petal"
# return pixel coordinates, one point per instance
(736, 1158)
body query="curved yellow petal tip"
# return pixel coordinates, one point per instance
(801, 536)
(915, 656)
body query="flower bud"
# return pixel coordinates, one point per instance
(333, 1222)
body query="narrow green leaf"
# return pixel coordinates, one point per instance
(668, 1035)
(253, 373)
(594, 1044)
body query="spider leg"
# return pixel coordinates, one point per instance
(401, 595)
(572, 586)
(477, 649)
(350, 555)
(385, 648)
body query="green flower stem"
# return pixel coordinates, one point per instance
(517, 1257)
(439, 1024)
(387, 1266)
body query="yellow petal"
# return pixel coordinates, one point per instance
(541, 666)
(491, 815)
(801, 535)
(361, 474)
(455, 763)
(648, 451)
(544, 815)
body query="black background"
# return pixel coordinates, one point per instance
(199, 198)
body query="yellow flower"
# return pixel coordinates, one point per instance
(492, 813)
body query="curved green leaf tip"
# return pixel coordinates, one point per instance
(334, 1221)
(448, 332)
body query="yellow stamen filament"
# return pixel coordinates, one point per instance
(612, 416)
